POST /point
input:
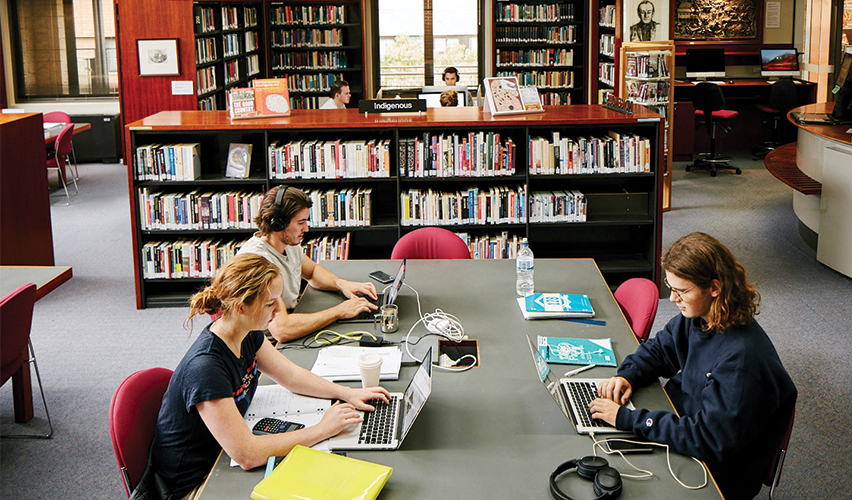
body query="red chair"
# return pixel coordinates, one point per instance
(63, 149)
(773, 474)
(430, 243)
(64, 118)
(16, 316)
(639, 299)
(133, 419)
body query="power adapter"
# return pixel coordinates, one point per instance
(366, 341)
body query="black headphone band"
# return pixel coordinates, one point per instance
(276, 222)
(607, 481)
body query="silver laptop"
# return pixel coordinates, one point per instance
(381, 299)
(572, 396)
(385, 428)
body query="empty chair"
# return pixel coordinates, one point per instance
(638, 299)
(710, 111)
(16, 316)
(782, 98)
(773, 474)
(65, 118)
(133, 419)
(62, 149)
(430, 243)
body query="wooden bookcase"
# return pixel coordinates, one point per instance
(606, 32)
(543, 44)
(228, 49)
(314, 43)
(622, 230)
(647, 78)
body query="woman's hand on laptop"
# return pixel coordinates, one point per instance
(616, 389)
(359, 397)
(338, 417)
(352, 289)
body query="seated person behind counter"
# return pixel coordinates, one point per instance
(212, 387)
(726, 380)
(340, 95)
(282, 223)
(449, 98)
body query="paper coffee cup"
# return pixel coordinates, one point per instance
(370, 365)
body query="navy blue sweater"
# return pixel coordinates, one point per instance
(734, 398)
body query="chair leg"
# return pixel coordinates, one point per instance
(64, 185)
(43, 400)
(777, 475)
(74, 163)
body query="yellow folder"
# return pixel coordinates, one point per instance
(308, 474)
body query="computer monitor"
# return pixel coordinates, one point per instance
(705, 63)
(779, 62)
(433, 100)
(843, 95)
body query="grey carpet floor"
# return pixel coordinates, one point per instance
(88, 335)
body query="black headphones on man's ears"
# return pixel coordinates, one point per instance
(607, 481)
(276, 223)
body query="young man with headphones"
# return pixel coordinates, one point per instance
(282, 223)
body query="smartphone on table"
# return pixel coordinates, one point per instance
(381, 277)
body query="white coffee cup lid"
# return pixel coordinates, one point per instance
(369, 359)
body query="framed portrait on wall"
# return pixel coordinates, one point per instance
(158, 57)
(646, 21)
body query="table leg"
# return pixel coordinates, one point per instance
(22, 392)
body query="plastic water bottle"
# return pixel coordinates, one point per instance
(525, 267)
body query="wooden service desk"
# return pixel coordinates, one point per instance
(493, 431)
(741, 95)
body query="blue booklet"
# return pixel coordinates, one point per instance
(558, 305)
(576, 351)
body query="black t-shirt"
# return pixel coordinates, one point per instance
(184, 450)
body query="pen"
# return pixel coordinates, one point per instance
(579, 370)
(587, 321)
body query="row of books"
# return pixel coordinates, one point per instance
(232, 71)
(205, 50)
(475, 154)
(606, 73)
(250, 14)
(336, 159)
(319, 14)
(606, 45)
(609, 154)
(168, 162)
(306, 102)
(500, 246)
(187, 258)
(555, 98)
(340, 207)
(537, 34)
(328, 247)
(230, 18)
(603, 93)
(198, 211)
(312, 83)
(335, 59)
(252, 41)
(554, 12)
(643, 92)
(472, 206)
(207, 80)
(541, 57)
(607, 17)
(208, 103)
(252, 64)
(308, 37)
(651, 65)
(204, 19)
(564, 79)
(557, 206)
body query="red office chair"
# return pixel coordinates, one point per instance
(64, 118)
(773, 474)
(16, 316)
(782, 98)
(63, 149)
(430, 243)
(133, 419)
(638, 299)
(710, 110)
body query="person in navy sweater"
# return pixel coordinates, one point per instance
(733, 397)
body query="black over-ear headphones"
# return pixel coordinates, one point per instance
(276, 222)
(607, 481)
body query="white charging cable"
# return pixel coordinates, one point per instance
(444, 325)
(645, 473)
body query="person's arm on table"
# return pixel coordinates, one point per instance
(290, 326)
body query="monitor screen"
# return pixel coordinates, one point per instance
(705, 63)
(779, 62)
(433, 100)
(845, 68)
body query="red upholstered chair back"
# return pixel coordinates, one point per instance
(57, 117)
(133, 419)
(16, 317)
(63, 140)
(773, 474)
(638, 299)
(430, 243)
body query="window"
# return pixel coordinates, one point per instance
(63, 48)
(419, 38)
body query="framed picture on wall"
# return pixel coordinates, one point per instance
(646, 20)
(711, 20)
(158, 57)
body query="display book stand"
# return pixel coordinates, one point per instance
(647, 78)
(622, 230)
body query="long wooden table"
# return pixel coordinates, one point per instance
(493, 431)
(50, 135)
(46, 279)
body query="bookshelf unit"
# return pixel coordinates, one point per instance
(606, 31)
(621, 230)
(228, 49)
(314, 43)
(648, 79)
(543, 44)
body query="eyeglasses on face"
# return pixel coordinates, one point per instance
(676, 291)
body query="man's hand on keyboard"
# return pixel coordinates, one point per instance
(359, 397)
(616, 389)
(604, 409)
(353, 307)
(354, 289)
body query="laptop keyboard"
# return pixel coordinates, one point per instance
(378, 426)
(582, 393)
(369, 315)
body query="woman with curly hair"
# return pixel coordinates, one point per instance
(733, 397)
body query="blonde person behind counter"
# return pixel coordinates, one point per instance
(283, 222)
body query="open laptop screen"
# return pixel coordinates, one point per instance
(393, 292)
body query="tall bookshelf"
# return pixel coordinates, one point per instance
(606, 31)
(228, 49)
(543, 44)
(647, 79)
(511, 189)
(314, 43)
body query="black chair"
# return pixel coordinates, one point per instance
(710, 110)
(782, 98)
